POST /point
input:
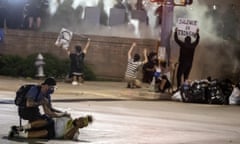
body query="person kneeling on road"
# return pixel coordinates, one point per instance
(39, 126)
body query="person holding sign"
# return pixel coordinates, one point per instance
(187, 49)
(77, 65)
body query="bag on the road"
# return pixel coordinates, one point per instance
(234, 99)
(219, 91)
(194, 92)
(20, 99)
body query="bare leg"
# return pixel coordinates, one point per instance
(37, 134)
(75, 80)
(137, 83)
(30, 23)
(162, 84)
(38, 22)
(38, 123)
(34, 124)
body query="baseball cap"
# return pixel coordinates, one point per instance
(50, 81)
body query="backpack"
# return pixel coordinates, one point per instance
(20, 99)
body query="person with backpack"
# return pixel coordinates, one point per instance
(40, 125)
(77, 65)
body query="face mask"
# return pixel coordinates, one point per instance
(50, 90)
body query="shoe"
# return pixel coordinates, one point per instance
(16, 128)
(173, 92)
(74, 83)
(128, 86)
(13, 134)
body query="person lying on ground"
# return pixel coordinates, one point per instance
(64, 128)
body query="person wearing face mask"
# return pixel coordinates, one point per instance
(187, 49)
(40, 125)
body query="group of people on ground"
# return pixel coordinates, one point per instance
(157, 71)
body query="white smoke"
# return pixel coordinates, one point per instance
(133, 29)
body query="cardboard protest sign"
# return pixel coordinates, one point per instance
(64, 38)
(187, 27)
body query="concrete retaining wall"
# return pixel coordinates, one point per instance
(107, 56)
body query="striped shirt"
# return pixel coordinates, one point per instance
(132, 68)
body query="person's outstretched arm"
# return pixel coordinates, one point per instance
(87, 46)
(70, 134)
(197, 39)
(176, 37)
(145, 56)
(130, 50)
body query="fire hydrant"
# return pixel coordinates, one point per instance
(39, 64)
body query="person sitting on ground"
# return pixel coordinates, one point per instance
(133, 66)
(77, 65)
(39, 95)
(64, 128)
(163, 81)
(148, 68)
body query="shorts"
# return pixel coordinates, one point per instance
(133, 81)
(30, 114)
(33, 114)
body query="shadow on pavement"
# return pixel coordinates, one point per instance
(38, 141)
(29, 141)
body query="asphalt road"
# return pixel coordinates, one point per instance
(141, 122)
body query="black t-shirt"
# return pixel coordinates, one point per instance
(77, 62)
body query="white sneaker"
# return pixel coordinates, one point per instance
(74, 83)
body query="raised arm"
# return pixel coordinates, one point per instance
(145, 56)
(197, 39)
(87, 46)
(70, 133)
(130, 50)
(176, 37)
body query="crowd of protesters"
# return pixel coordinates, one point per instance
(22, 14)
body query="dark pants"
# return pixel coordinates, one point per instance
(33, 114)
(184, 69)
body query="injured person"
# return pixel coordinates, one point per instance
(64, 128)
